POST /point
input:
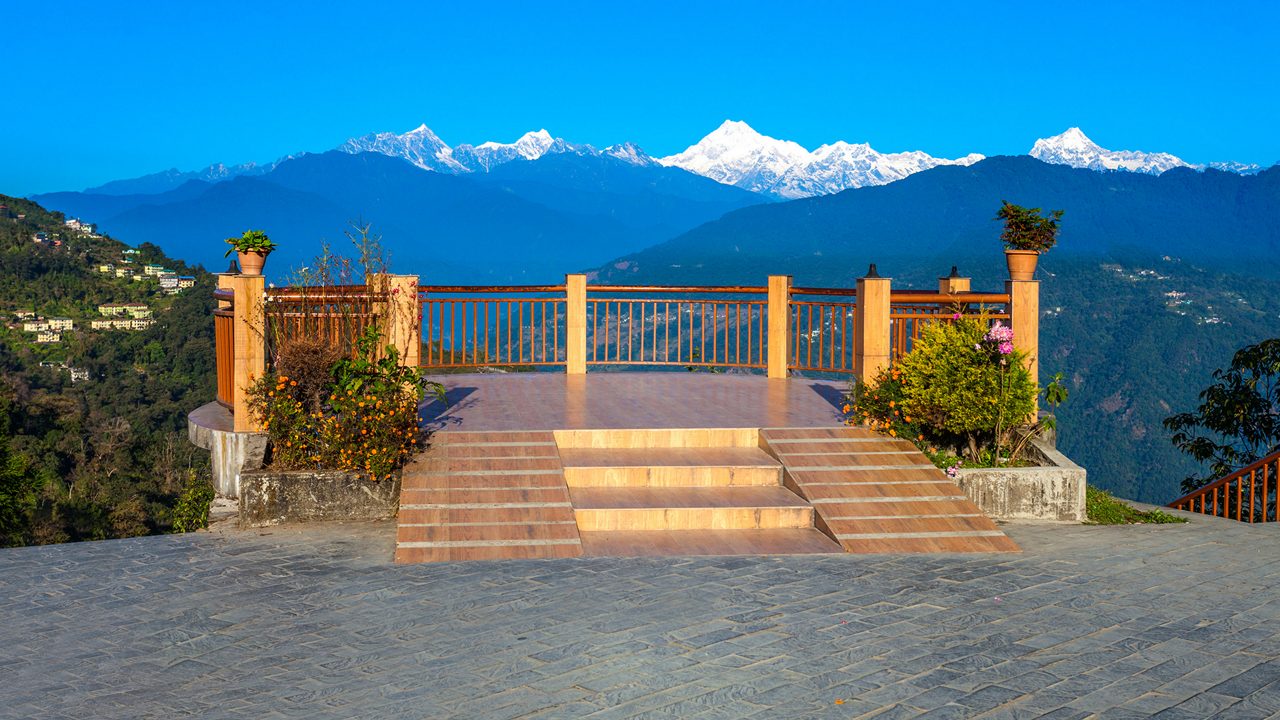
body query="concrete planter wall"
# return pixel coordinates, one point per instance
(274, 497)
(1052, 491)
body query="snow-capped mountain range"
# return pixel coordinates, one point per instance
(1074, 148)
(735, 154)
(732, 154)
(426, 150)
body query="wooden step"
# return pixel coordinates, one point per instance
(688, 508)
(642, 543)
(669, 467)
(663, 438)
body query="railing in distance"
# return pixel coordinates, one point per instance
(821, 328)
(1247, 495)
(333, 314)
(224, 345)
(523, 326)
(712, 326)
(911, 310)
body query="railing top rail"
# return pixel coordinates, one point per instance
(723, 289)
(917, 296)
(475, 289)
(1227, 479)
(835, 292)
(224, 294)
(321, 293)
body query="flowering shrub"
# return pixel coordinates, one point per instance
(367, 421)
(963, 385)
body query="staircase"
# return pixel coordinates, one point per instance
(875, 494)
(683, 492)
(565, 493)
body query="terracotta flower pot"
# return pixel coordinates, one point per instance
(251, 262)
(1022, 264)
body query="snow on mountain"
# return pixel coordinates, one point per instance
(1074, 148)
(735, 154)
(630, 153)
(419, 146)
(530, 146)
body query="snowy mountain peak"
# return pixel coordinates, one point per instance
(629, 152)
(1074, 148)
(735, 154)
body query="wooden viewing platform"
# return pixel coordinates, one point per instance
(721, 448)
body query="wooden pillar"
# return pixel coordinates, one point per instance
(779, 324)
(250, 356)
(1024, 318)
(225, 283)
(871, 342)
(575, 287)
(953, 283)
(399, 321)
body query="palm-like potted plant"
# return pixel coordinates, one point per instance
(251, 250)
(1026, 234)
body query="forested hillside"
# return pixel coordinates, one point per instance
(93, 425)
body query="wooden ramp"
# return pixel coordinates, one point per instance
(874, 494)
(486, 496)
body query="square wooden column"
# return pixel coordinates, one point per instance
(953, 283)
(250, 356)
(399, 312)
(575, 324)
(779, 324)
(871, 326)
(1024, 318)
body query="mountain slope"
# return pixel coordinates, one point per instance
(1155, 282)
(1211, 217)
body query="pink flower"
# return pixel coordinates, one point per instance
(956, 316)
(1006, 348)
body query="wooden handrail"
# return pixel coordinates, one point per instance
(834, 292)
(224, 294)
(916, 296)
(473, 289)
(725, 289)
(1227, 479)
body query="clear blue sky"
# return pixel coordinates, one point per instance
(98, 91)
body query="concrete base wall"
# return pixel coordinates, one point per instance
(271, 498)
(232, 453)
(1052, 491)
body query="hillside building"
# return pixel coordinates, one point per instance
(61, 323)
(152, 269)
(36, 324)
(48, 336)
(186, 281)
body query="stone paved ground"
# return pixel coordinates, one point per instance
(1170, 621)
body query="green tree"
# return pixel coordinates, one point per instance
(19, 488)
(1238, 420)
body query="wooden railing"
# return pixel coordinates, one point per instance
(709, 327)
(822, 329)
(224, 345)
(1247, 495)
(336, 315)
(910, 311)
(777, 328)
(467, 327)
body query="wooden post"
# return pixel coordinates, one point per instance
(575, 287)
(399, 314)
(953, 283)
(1024, 318)
(871, 342)
(225, 283)
(779, 324)
(250, 332)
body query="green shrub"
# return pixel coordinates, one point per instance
(192, 511)
(366, 422)
(1103, 509)
(965, 380)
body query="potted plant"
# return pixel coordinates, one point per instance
(251, 250)
(1027, 233)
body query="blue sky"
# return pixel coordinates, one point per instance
(100, 91)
